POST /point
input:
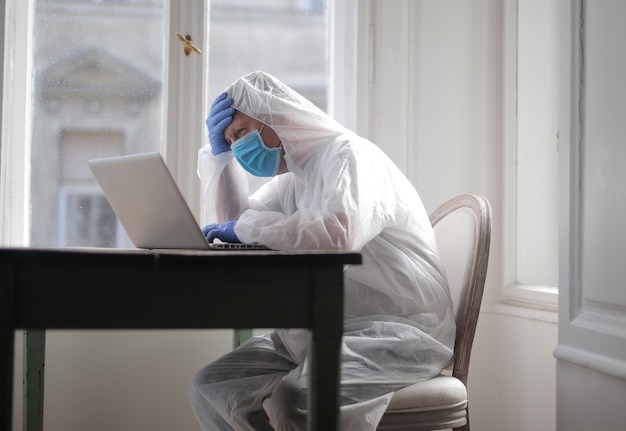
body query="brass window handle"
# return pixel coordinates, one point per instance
(188, 45)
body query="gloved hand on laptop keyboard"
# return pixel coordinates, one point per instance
(223, 231)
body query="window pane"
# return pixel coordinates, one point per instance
(537, 142)
(286, 38)
(98, 83)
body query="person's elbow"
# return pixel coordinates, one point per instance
(342, 233)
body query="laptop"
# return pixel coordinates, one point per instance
(150, 206)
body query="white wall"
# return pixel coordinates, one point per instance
(435, 105)
(121, 380)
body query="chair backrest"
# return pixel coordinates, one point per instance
(462, 227)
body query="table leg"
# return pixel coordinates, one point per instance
(6, 379)
(7, 343)
(34, 374)
(325, 345)
(241, 335)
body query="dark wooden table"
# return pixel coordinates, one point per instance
(142, 289)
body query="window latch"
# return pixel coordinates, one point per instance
(188, 46)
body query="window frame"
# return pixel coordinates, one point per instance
(182, 108)
(181, 125)
(515, 297)
(15, 159)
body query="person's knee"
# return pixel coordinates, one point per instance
(198, 387)
(287, 406)
(212, 373)
(194, 392)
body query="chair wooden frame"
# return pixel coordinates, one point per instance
(456, 415)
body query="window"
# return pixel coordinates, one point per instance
(85, 217)
(94, 78)
(532, 98)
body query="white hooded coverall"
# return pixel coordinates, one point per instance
(341, 193)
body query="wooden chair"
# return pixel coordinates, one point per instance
(463, 230)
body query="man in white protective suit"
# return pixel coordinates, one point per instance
(329, 190)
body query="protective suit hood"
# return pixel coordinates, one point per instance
(301, 126)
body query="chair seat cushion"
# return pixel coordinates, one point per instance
(441, 392)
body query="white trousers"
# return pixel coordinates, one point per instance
(260, 386)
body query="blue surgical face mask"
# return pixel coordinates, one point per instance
(256, 157)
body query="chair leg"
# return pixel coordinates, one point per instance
(465, 427)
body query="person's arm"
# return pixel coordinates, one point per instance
(224, 184)
(335, 211)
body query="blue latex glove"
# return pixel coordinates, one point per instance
(219, 118)
(222, 231)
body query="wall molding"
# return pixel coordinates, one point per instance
(600, 363)
(534, 297)
(521, 312)
(603, 320)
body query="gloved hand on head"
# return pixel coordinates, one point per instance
(223, 231)
(219, 118)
